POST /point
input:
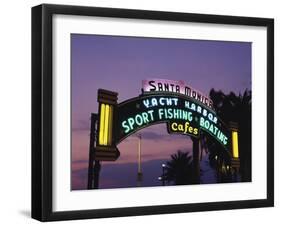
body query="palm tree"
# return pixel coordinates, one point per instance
(236, 109)
(179, 169)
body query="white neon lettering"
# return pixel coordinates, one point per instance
(154, 102)
(161, 101)
(146, 103)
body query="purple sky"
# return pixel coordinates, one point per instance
(120, 64)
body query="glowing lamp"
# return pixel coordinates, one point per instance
(235, 149)
(105, 128)
(106, 149)
(234, 139)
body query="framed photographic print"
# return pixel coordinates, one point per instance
(145, 112)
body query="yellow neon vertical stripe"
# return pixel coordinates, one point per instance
(101, 132)
(110, 124)
(235, 150)
(106, 119)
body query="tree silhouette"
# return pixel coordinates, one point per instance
(196, 160)
(236, 109)
(179, 169)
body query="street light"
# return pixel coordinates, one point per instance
(162, 177)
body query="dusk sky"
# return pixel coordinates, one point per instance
(120, 64)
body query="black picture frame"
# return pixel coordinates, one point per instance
(42, 106)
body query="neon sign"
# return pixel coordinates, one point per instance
(137, 121)
(182, 114)
(183, 109)
(183, 128)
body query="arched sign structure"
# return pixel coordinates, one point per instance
(183, 109)
(182, 115)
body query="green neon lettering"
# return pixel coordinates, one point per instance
(189, 116)
(170, 113)
(131, 122)
(207, 124)
(139, 120)
(176, 113)
(201, 122)
(225, 140)
(211, 128)
(145, 117)
(160, 113)
(125, 126)
(216, 130)
(151, 114)
(221, 136)
(184, 115)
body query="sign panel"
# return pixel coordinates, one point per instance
(182, 114)
(183, 127)
(179, 87)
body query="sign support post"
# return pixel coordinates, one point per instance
(94, 118)
(195, 162)
(97, 168)
(235, 161)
